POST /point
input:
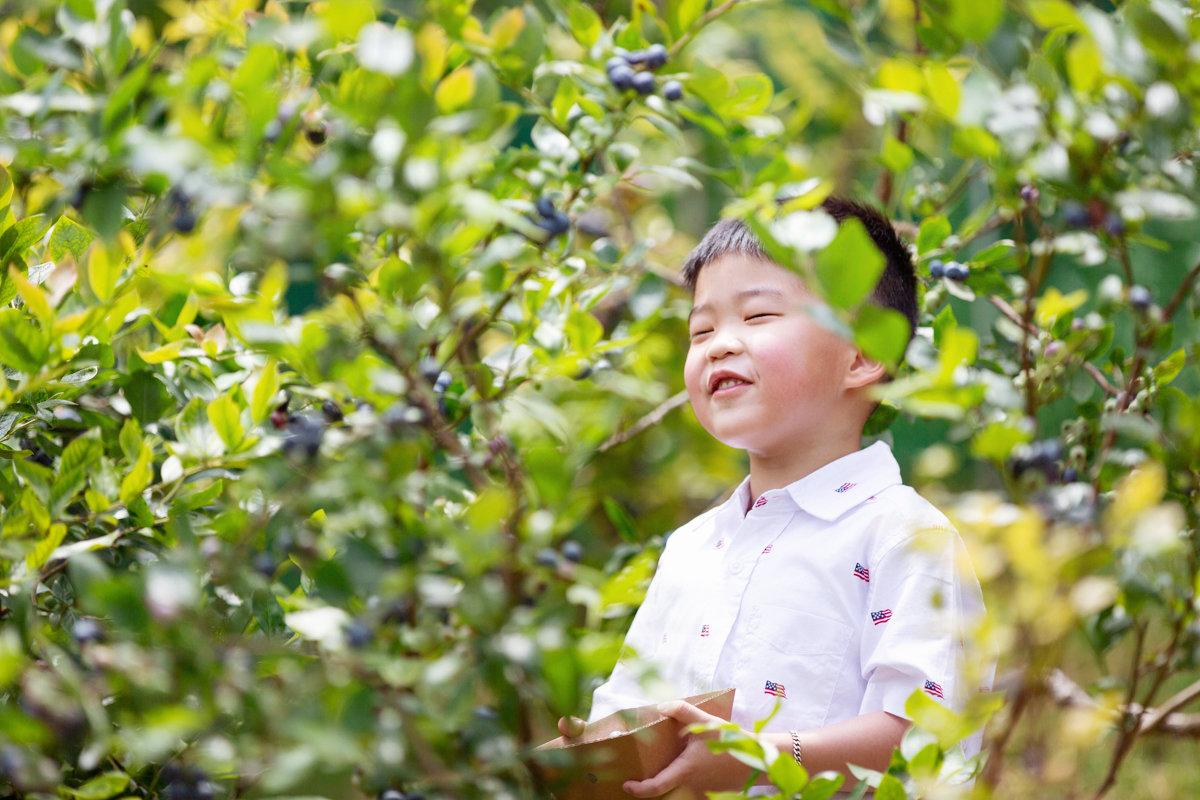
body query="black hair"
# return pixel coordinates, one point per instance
(897, 286)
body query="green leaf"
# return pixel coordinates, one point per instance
(933, 232)
(23, 345)
(890, 788)
(264, 391)
(943, 322)
(139, 475)
(22, 235)
(69, 237)
(1169, 368)
(6, 187)
(584, 23)
(130, 439)
(850, 266)
(789, 776)
(46, 546)
(882, 334)
(682, 14)
(147, 396)
(456, 89)
(1054, 14)
(225, 416)
(823, 787)
(120, 102)
(101, 787)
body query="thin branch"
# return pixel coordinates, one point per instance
(1088, 367)
(1156, 719)
(706, 18)
(653, 418)
(1181, 293)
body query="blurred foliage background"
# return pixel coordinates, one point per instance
(343, 345)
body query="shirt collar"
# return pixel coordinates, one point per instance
(841, 485)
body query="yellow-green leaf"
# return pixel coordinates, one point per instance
(138, 477)
(900, 76)
(35, 299)
(101, 273)
(101, 787)
(942, 88)
(507, 27)
(456, 89)
(168, 352)
(48, 544)
(1084, 65)
(225, 417)
(264, 391)
(1054, 304)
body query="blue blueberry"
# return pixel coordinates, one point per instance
(1070, 475)
(1075, 215)
(614, 62)
(656, 56)
(358, 633)
(544, 207)
(1030, 194)
(546, 557)
(1114, 224)
(556, 223)
(572, 551)
(332, 412)
(937, 268)
(957, 272)
(444, 379)
(643, 82)
(1140, 297)
(621, 77)
(673, 90)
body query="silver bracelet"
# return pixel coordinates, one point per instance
(796, 754)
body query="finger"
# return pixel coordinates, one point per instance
(671, 776)
(686, 713)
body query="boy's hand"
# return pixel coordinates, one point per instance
(697, 766)
(571, 727)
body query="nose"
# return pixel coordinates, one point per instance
(724, 342)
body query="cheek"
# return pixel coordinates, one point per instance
(693, 368)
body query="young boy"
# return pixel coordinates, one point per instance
(824, 584)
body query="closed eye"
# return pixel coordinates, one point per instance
(768, 315)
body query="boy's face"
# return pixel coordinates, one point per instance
(762, 374)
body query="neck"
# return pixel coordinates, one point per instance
(775, 470)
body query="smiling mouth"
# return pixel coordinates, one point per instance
(728, 383)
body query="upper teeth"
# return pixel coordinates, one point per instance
(725, 383)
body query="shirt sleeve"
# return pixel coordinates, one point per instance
(623, 689)
(925, 602)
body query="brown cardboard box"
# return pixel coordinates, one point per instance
(633, 744)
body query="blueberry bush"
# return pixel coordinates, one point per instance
(341, 418)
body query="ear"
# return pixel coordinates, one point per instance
(863, 371)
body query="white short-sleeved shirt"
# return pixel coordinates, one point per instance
(835, 596)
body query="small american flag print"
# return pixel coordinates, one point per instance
(775, 689)
(767, 549)
(933, 689)
(845, 487)
(880, 617)
(761, 501)
(704, 630)
(720, 542)
(862, 573)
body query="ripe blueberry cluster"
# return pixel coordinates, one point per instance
(628, 70)
(1042, 456)
(953, 270)
(550, 219)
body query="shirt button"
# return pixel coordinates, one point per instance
(736, 567)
